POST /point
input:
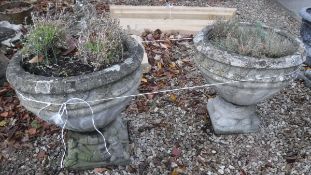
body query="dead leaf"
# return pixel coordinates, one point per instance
(144, 80)
(100, 170)
(41, 155)
(176, 152)
(242, 172)
(159, 65)
(173, 98)
(36, 59)
(164, 46)
(172, 65)
(32, 131)
(174, 172)
(178, 170)
(72, 43)
(3, 123)
(157, 34)
(4, 114)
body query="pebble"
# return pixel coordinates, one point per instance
(221, 170)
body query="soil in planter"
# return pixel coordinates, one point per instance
(65, 67)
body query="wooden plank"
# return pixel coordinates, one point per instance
(137, 26)
(174, 8)
(178, 12)
(174, 15)
(179, 18)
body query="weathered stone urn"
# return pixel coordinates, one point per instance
(305, 32)
(245, 82)
(16, 12)
(86, 148)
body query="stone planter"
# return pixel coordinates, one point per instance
(234, 110)
(3, 64)
(85, 147)
(5, 33)
(305, 32)
(17, 16)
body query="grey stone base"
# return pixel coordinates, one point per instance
(4, 61)
(228, 118)
(87, 150)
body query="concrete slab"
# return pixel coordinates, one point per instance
(295, 5)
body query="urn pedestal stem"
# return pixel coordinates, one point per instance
(228, 118)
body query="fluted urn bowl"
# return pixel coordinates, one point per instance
(90, 104)
(243, 81)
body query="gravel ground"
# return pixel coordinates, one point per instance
(171, 133)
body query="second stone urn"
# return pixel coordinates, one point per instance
(305, 32)
(243, 82)
(90, 105)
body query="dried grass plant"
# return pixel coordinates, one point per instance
(250, 40)
(101, 39)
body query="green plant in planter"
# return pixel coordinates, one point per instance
(250, 41)
(45, 38)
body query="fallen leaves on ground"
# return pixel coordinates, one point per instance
(17, 125)
(165, 66)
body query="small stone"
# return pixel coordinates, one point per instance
(173, 165)
(231, 167)
(221, 171)
(214, 152)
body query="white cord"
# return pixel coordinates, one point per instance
(65, 147)
(63, 106)
(157, 92)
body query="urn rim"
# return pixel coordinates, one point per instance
(235, 59)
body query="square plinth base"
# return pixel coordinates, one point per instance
(228, 118)
(87, 150)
